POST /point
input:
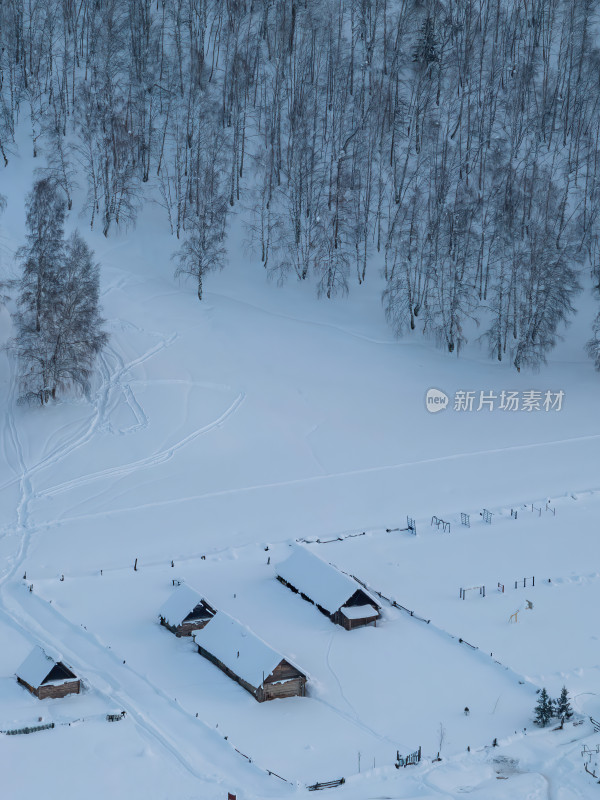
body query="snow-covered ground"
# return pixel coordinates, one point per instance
(253, 419)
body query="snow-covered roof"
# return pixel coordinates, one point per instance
(322, 582)
(37, 666)
(238, 648)
(359, 612)
(181, 602)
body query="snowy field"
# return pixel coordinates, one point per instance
(251, 420)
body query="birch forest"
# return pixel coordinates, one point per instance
(452, 145)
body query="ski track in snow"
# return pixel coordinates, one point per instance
(353, 718)
(144, 463)
(103, 405)
(347, 474)
(311, 322)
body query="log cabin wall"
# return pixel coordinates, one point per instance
(60, 690)
(284, 681)
(52, 690)
(294, 687)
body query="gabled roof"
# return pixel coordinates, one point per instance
(181, 602)
(323, 583)
(238, 648)
(37, 667)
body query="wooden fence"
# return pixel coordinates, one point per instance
(409, 760)
(29, 729)
(387, 599)
(315, 787)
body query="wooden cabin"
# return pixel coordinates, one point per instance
(185, 611)
(246, 659)
(47, 676)
(334, 593)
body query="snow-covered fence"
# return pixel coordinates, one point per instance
(29, 729)
(315, 787)
(250, 761)
(596, 724)
(387, 599)
(440, 631)
(593, 773)
(532, 579)
(275, 775)
(329, 541)
(115, 717)
(437, 522)
(409, 760)
(463, 592)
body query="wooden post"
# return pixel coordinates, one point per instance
(135, 566)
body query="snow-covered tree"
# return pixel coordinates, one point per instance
(78, 335)
(544, 710)
(562, 706)
(58, 328)
(42, 256)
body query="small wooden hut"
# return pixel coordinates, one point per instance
(245, 658)
(47, 676)
(334, 593)
(185, 611)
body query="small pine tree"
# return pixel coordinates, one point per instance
(562, 706)
(543, 710)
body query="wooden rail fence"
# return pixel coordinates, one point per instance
(29, 729)
(315, 787)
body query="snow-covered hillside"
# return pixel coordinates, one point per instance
(219, 429)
